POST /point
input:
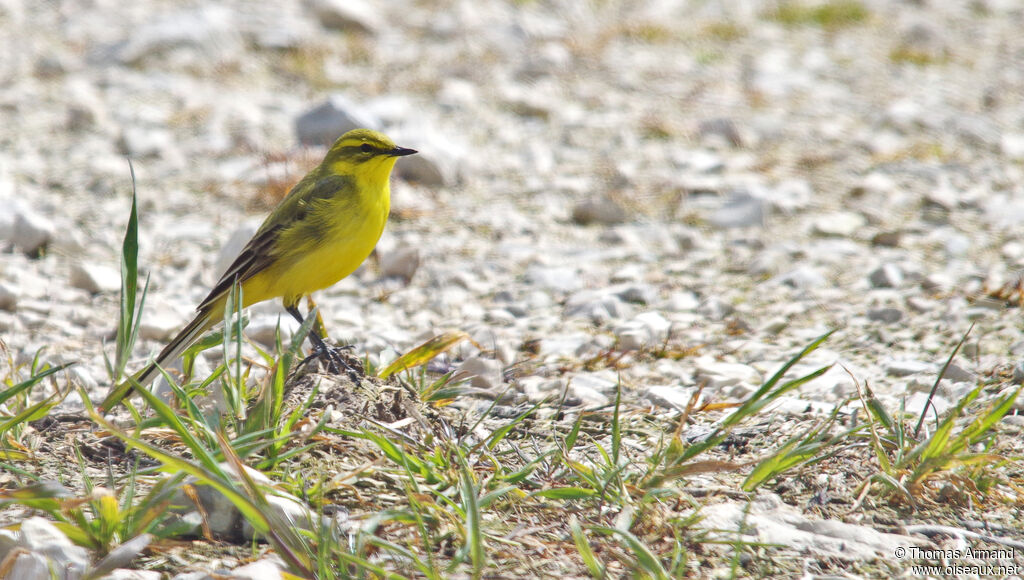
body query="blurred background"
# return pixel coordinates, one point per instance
(593, 172)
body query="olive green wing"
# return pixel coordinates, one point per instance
(262, 250)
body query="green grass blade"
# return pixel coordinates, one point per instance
(594, 566)
(423, 353)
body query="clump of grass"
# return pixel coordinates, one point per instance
(724, 31)
(956, 451)
(832, 14)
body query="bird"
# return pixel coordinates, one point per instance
(325, 227)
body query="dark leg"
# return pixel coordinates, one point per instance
(321, 350)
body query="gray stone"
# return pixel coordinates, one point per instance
(906, 367)
(483, 373)
(263, 328)
(210, 31)
(768, 519)
(1012, 146)
(22, 226)
(886, 315)
(718, 375)
(645, 330)
(400, 263)
(637, 293)
(670, 397)
(323, 124)
(802, 277)
(42, 537)
(886, 276)
(33, 566)
(588, 396)
(125, 574)
(840, 224)
(95, 278)
(740, 210)
(236, 242)
(160, 323)
(8, 296)
(142, 142)
(265, 569)
(721, 130)
(916, 402)
(288, 510)
(425, 169)
(958, 374)
(556, 278)
(715, 309)
(598, 210)
(684, 301)
(348, 15)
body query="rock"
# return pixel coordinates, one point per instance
(263, 328)
(715, 309)
(598, 210)
(210, 31)
(563, 345)
(916, 402)
(424, 169)
(645, 330)
(718, 375)
(740, 210)
(142, 142)
(323, 124)
(802, 277)
(637, 293)
(8, 296)
(886, 315)
(233, 247)
(160, 323)
(557, 278)
(669, 397)
(43, 538)
(840, 224)
(593, 389)
(400, 263)
(1012, 146)
(483, 373)
(24, 228)
(125, 574)
(290, 511)
(721, 130)
(265, 569)
(768, 519)
(886, 276)
(890, 239)
(920, 42)
(348, 15)
(906, 367)
(227, 522)
(683, 301)
(32, 566)
(95, 278)
(958, 374)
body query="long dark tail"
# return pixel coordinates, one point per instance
(188, 335)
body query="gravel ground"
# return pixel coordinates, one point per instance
(721, 182)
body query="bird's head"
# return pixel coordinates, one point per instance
(365, 154)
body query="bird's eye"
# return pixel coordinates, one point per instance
(366, 148)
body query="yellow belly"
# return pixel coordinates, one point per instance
(337, 254)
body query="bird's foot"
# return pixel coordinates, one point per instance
(336, 362)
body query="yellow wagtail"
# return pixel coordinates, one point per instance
(320, 232)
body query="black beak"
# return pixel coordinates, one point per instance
(401, 152)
